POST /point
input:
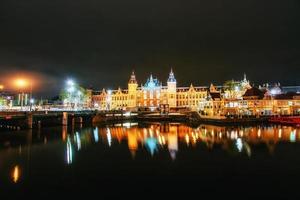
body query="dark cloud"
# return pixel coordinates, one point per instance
(99, 42)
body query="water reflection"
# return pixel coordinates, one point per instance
(69, 151)
(239, 144)
(78, 141)
(293, 136)
(108, 134)
(15, 174)
(155, 138)
(96, 135)
(151, 144)
(169, 136)
(132, 142)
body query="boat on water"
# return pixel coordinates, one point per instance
(288, 120)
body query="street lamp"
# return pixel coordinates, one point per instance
(70, 82)
(31, 103)
(21, 83)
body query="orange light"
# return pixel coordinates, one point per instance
(1, 87)
(16, 174)
(21, 83)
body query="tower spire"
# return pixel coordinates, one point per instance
(132, 78)
(171, 76)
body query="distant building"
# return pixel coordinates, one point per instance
(6, 99)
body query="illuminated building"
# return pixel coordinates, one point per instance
(214, 104)
(236, 89)
(6, 99)
(150, 95)
(233, 98)
(263, 102)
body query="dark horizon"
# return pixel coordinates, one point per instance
(99, 43)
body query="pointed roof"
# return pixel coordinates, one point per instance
(171, 76)
(132, 79)
(191, 87)
(212, 88)
(152, 83)
(119, 90)
(151, 77)
(103, 92)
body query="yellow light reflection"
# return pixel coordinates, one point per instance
(16, 172)
(280, 133)
(214, 135)
(187, 139)
(132, 143)
(259, 133)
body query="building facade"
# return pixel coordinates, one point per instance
(233, 98)
(150, 95)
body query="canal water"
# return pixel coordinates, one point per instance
(149, 160)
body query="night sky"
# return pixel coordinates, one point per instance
(99, 42)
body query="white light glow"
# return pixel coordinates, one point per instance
(239, 144)
(127, 114)
(96, 136)
(293, 136)
(69, 152)
(70, 82)
(108, 134)
(127, 125)
(78, 140)
(71, 89)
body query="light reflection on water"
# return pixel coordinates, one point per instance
(15, 174)
(154, 138)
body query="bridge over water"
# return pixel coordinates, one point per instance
(26, 120)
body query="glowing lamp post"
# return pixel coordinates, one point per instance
(21, 83)
(31, 103)
(70, 82)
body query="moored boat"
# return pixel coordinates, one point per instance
(289, 120)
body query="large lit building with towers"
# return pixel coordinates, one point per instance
(232, 98)
(150, 95)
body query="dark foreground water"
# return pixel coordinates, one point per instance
(132, 160)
